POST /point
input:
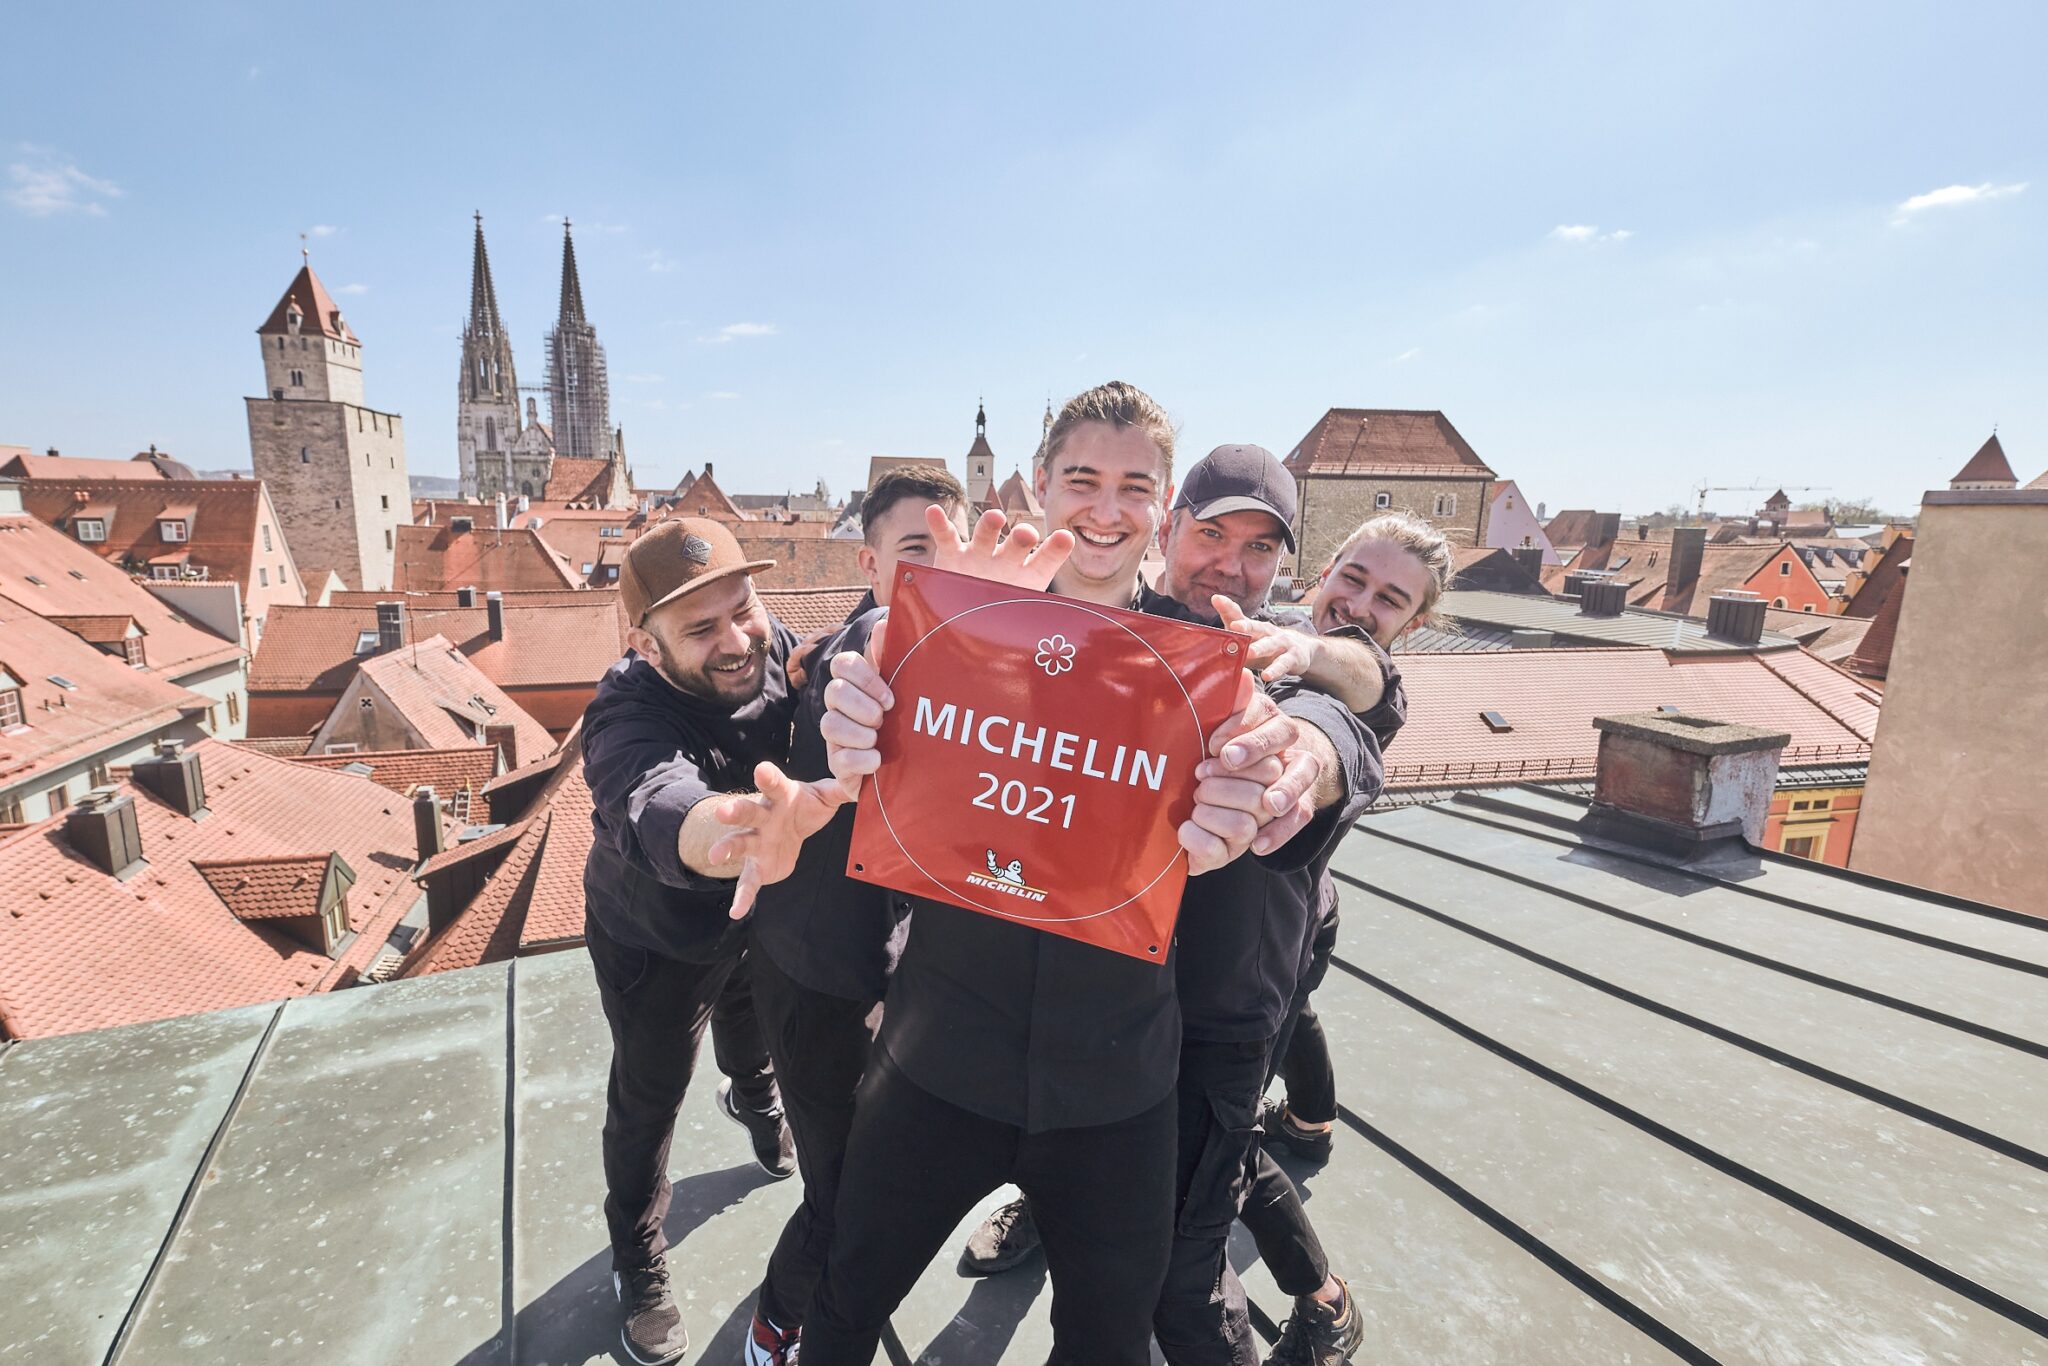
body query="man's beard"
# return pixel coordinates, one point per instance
(714, 687)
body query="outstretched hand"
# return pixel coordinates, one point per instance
(1256, 790)
(771, 826)
(1022, 559)
(1276, 651)
(855, 701)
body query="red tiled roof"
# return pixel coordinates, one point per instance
(287, 746)
(469, 849)
(431, 558)
(222, 516)
(458, 768)
(1987, 466)
(144, 468)
(1386, 441)
(313, 648)
(1582, 526)
(1722, 567)
(1873, 657)
(1550, 698)
(702, 497)
(446, 699)
(1869, 598)
(98, 630)
(445, 599)
(535, 897)
(80, 950)
(804, 562)
(113, 705)
(279, 888)
(74, 582)
(321, 315)
(1018, 498)
(572, 479)
(804, 610)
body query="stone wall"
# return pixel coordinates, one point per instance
(1332, 506)
(331, 371)
(336, 473)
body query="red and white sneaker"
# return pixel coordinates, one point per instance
(768, 1345)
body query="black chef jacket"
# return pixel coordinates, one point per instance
(826, 930)
(650, 753)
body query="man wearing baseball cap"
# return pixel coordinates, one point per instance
(687, 715)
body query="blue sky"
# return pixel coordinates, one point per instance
(1623, 247)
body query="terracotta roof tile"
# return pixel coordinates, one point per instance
(321, 316)
(53, 576)
(282, 746)
(1722, 567)
(1987, 466)
(314, 648)
(22, 463)
(1882, 574)
(446, 699)
(432, 558)
(100, 630)
(1386, 441)
(804, 610)
(222, 516)
(280, 888)
(1873, 656)
(468, 849)
(111, 705)
(80, 950)
(461, 768)
(1550, 698)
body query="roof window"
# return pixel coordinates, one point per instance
(76, 575)
(1495, 722)
(61, 681)
(36, 581)
(90, 528)
(366, 641)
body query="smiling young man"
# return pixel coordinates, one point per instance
(1010, 1055)
(824, 945)
(687, 715)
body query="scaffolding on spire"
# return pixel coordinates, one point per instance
(579, 388)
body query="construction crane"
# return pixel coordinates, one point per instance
(1704, 489)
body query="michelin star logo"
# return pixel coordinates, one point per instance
(1055, 655)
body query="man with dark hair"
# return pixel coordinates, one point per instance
(824, 945)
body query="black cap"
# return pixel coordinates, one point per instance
(1240, 479)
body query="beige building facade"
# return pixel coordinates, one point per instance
(1957, 784)
(1358, 461)
(335, 468)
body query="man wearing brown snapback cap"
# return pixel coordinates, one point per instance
(701, 700)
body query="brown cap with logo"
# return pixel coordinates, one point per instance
(678, 557)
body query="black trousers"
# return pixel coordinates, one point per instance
(1304, 1052)
(819, 1044)
(1202, 1317)
(915, 1166)
(1287, 1242)
(657, 1008)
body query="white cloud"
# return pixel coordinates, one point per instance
(42, 184)
(1410, 354)
(658, 261)
(721, 393)
(1587, 232)
(353, 289)
(643, 379)
(322, 230)
(1950, 195)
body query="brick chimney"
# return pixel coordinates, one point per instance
(505, 738)
(390, 626)
(174, 776)
(1530, 557)
(426, 822)
(1736, 614)
(494, 612)
(103, 829)
(1683, 787)
(1688, 548)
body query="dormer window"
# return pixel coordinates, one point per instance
(12, 714)
(90, 529)
(173, 529)
(131, 648)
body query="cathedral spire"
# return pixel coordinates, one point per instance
(572, 287)
(483, 295)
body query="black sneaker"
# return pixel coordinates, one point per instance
(653, 1333)
(1318, 1334)
(1007, 1237)
(774, 1148)
(1281, 1127)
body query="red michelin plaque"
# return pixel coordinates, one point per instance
(1040, 757)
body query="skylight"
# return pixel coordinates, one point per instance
(1495, 722)
(366, 641)
(61, 681)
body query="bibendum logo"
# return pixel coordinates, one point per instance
(1007, 878)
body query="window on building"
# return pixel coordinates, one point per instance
(611, 571)
(262, 577)
(59, 799)
(235, 704)
(266, 538)
(387, 538)
(1379, 500)
(1785, 568)
(277, 393)
(298, 379)
(305, 455)
(171, 529)
(90, 528)
(163, 571)
(1778, 602)
(1803, 846)
(10, 810)
(11, 714)
(132, 649)
(366, 641)
(385, 499)
(100, 775)
(588, 566)
(1807, 608)
(490, 434)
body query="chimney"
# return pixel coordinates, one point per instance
(1642, 531)
(1603, 598)
(1606, 527)
(524, 502)
(1528, 638)
(1684, 787)
(174, 776)
(458, 525)
(1688, 546)
(1576, 581)
(390, 626)
(465, 597)
(103, 829)
(1530, 557)
(501, 512)
(506, 740)
(494, 608)
(426, 822)
(1736, 614)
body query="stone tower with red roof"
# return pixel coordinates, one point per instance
(336, 468)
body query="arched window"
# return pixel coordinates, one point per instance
(490, 434)
(1777, 602)
(1383, 500)
(305, 455)
(526, 487)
